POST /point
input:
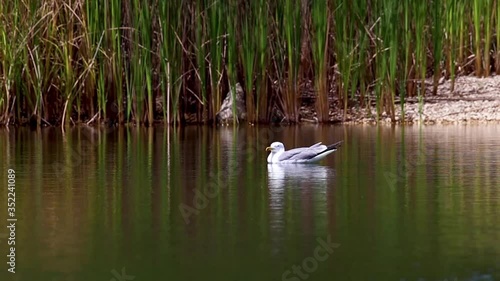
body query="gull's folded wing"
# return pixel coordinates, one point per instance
(303, 153)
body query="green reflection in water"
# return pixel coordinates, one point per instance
(201, 203)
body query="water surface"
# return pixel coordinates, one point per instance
(200, 203)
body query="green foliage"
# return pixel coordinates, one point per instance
(64, 62)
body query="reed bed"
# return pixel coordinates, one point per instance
(65, 62)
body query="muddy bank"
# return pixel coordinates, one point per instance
(474, 100)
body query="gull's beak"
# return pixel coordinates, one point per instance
(269, 148)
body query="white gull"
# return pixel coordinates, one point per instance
(311, 154)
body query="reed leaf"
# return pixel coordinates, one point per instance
(320, 22)
(232, 51)
(293, 29)
(216, 34)
(497, 28)
(477, 13)
(248, 57)
(487, 22)
(262, 57)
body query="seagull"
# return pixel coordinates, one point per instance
(310, 154)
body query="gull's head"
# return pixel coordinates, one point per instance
(275, 147)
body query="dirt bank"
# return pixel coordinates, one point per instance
(474, 100)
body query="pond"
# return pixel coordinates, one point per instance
(201, 203)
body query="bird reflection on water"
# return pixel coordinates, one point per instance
(302, 185)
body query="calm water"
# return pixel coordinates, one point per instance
(414, 203)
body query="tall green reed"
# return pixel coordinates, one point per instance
(477, 13)
(497, 28)
(36, 73)
(171, 58)
(94, 57)
(406, 86)
(453, 28)
(200, 53)
(360, 45)
(262, 63)
(462, 30)
(277, 72)
(293, 35)
(321, 22)
(8, 38)
(232, 49)
(437, 38)
(487, 23)
(420, 12)
(141, 72)
(247, 52)
(392, 37)
(116, 57)
(216, 27)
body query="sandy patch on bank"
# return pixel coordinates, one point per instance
(474, 100)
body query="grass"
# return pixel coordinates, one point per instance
(67, 62)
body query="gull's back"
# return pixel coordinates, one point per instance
(302, 154)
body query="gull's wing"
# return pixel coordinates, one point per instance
(303, 153)
(300, 149)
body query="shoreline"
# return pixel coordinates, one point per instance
(474, 100)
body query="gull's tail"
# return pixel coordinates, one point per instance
(334, 146)
(329, 149)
